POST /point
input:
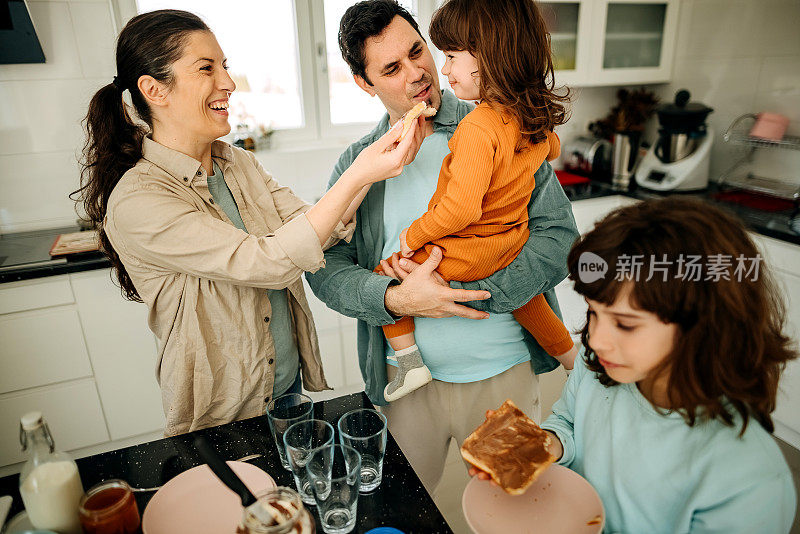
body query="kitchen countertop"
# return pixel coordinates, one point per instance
(26, 255)
(33, 247)
(400, 501)
(770, 224)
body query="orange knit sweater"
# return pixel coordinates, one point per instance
(483, 192)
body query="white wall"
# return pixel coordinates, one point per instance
(742, 56)
(42, 106)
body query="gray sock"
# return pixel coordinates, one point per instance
(407, 359)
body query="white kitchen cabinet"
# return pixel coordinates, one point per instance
(35, 294)
(330, 348)
(337, 343)
(72, 411)
(74, 349)
(586, 213)
(784, 261)
(611, 42)
(41, 347)
(123, 353)
(352, 371)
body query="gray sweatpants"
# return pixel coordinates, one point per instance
(424, 421)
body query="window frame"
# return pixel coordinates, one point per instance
(309, 23)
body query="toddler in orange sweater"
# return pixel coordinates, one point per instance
(479, 213)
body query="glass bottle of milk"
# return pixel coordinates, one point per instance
(49, 482)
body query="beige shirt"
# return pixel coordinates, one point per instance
(203, 279)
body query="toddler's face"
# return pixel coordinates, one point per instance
(630, 343)
(461, 69)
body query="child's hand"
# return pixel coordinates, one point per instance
(556, 449)
(405, 251)
(568, 358)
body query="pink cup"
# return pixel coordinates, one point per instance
(770, 126)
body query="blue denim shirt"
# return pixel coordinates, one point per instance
(348, 285)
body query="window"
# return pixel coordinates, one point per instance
(284, 57)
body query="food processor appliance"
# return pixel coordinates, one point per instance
(680, 157)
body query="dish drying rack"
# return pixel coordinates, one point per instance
(752, 182)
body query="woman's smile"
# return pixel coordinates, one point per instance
(220, 107)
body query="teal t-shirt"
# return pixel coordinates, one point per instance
(287, 359)
(654, 473)
(454, 348)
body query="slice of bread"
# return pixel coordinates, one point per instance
(510, 447)
(411, 115)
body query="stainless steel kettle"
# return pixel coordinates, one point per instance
(588, 156)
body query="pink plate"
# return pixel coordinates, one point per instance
(560, 501)
(197, 501)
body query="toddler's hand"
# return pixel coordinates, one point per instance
(405, 251)
(568, 358)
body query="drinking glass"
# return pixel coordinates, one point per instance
(283, 412)
(365, 431)
(334, 472)
(301, 440)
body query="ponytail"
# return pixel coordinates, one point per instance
(113, 145)
(147, 46)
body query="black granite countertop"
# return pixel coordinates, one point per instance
(771, 224)
(26, 255)
(400, 501)
(33, 247)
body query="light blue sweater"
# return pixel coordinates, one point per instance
(656, 474)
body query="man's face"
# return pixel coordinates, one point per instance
(401, 69)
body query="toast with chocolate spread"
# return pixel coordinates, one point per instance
(510, 447)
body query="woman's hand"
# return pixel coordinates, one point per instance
(405, 251)
(386, 157)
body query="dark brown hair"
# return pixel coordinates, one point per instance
(511, 43)
(364, 20)
(730, 349)
(148, 45)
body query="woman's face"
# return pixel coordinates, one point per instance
(630, 343)
(197, 102)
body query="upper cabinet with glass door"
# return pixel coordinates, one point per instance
(570, 29)
(611, 42)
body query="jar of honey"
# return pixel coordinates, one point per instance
(110, 508)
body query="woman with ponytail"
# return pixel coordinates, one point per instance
(202, 234)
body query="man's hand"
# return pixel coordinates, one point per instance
(405, 251)
(423, 293)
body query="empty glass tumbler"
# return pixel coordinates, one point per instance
(365, 431)
(334, 472)
(301, 440)
(283, 412)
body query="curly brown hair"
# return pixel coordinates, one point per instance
(511, 43)
(730, 349)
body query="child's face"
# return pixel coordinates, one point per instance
(629, 343)
(461, 69)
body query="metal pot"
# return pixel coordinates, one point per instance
(674, 147)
